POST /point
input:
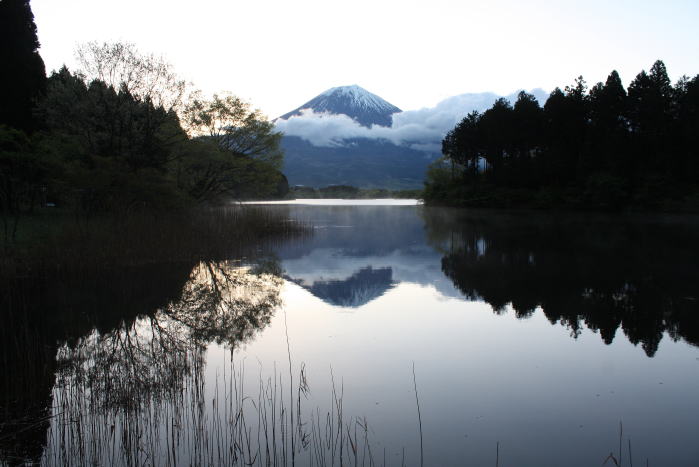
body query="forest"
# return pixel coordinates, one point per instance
(119, 136)
(604, 147)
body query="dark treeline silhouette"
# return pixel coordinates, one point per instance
(22, 80)
(605, 147)
(606, 274)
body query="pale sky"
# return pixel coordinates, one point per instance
(278, 54)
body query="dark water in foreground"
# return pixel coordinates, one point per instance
(533, 333)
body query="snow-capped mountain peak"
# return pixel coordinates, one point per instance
(354, 101)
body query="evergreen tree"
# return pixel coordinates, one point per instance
(528, 125)
(557, 140)
(23, 78)
(609, 126)
(497, 126)
(463, 144)
(606, 148)
(686, 136)
(650, 112)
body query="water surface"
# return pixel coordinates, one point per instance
(533, 334)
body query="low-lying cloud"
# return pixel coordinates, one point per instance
(422, 129)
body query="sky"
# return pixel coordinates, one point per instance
(278, 54)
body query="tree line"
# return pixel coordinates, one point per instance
(120, 133)
(600, 147)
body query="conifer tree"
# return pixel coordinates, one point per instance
(23, 75)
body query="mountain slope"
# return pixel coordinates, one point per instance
(354, 101)
(364, 163)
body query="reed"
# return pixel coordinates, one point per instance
(196, 423)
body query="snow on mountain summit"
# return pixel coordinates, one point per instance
(354, 101)
(361, 98)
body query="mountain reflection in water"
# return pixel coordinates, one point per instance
(359, 289)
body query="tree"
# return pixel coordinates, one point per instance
(650, 115)
(234, 126)
(110, 123)
(462, 145)
(23, 77)
(22, 177)
(609, 132)
(121, 65)
(116, 148)
(686, 137)
(235, 152)
(496, 125)
(527, 135)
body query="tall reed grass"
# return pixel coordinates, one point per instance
(202, 423)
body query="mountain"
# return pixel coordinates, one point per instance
(354, 101)
(360, 162)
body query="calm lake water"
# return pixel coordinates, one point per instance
(530, 338)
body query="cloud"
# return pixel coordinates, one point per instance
(421, 129)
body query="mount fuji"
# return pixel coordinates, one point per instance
(357, 161)
(354, 101)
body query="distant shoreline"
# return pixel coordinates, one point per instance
(342, 202)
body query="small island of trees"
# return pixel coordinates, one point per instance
(601, 148)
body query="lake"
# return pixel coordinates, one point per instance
(390, 334)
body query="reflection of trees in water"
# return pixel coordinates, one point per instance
(153, 355)
(226, 304)
(640, 276)
(137, 395)
(149, 357)
(136, 359)
(37, 313)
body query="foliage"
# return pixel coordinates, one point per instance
(23, 175)
(122, 65)
(605, 147)
(114, 148)
(208, 172)
(23, 77)
(244, 156)
(231, 122)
